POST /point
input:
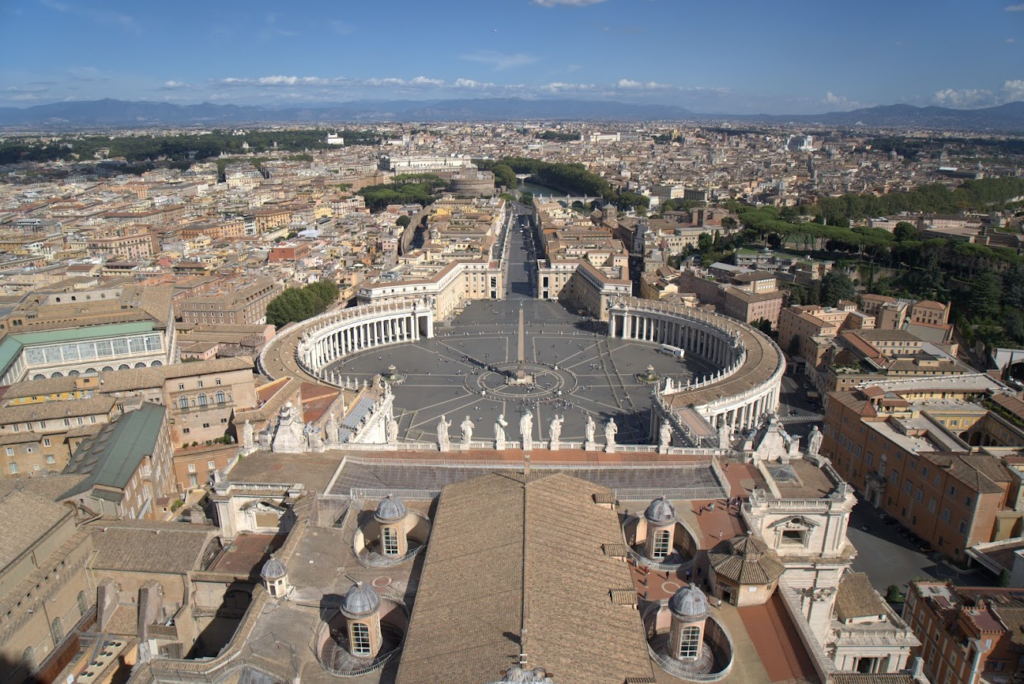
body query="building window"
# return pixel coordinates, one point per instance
(945, 515)
(183, 403)
(968, 501)
(390, 538)
(962, 527)
(46, 441)
(360, 639)
(83, 603)
(952, 490)
(56, 631)
(217, 381)
(661, 544)
(186, 430)
(10, 451)
(220, 397)
(211, 465)
(689, 643)
(191, 467)
(181, 385)
(14, 468)
(202, 400)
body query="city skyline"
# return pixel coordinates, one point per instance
(755, 59)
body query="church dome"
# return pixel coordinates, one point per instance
(390, 509)
(359, 601)
(689, 604)
(660, 512)
(273, 569)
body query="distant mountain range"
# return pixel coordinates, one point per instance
(119, 113)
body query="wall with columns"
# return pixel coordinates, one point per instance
(706, 337)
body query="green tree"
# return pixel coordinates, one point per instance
(835, 286)
(404, 221)
(984, 295)
(705, 242)
(905, 231)
(893, 594)
(1004, 578)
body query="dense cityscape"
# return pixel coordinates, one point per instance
(302, 384)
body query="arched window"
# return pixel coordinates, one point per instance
(73, 374)
(57, 374)
(389, 537)
(38, 376)
(56, 631)
(123, 366)
(107, 369)
(155, 364)
(28, 659)
(220, 397)
(360, 639)
(183, 403)
(689, 644)
(202, 400)
(660, 544)
(83, 603)
(140, 364)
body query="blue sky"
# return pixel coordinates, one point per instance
(735, 56)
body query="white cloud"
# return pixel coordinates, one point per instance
(559, 87)
(566, 3)
(174, 85)
(97, 16)
(1012, 90)
(629, 84)
(1015, 8)
(500, 60)
(341, 28)
(963, 97)
(423, 80)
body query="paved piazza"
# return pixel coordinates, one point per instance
(577, 371)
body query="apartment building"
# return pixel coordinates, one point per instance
(44, 589)
(241, 304)
(907, 458)
(969, 635)
(127, 466)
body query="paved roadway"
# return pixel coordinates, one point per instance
(597, 375)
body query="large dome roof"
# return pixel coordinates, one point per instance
(689, 603)
(273, 569)
(360, 600)
(660, 512)
(390, 509)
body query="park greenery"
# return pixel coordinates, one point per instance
(412, 188)
(299, 303)
(199, 146)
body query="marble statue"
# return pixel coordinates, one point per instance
(610, 430)
(442, 434)
(247, 435)
(392, 431)
(289, 437)
(814, 441)
(664, 436)
(333, 430)
(724, 438)
(313, 438)
(591, 427)
(555, 431)
(467, 431)
(526, 429)
(499, 432)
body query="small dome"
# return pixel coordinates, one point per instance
(360, 600)
(660, 511)
(689, 603)
(273, 569)
(390, 509)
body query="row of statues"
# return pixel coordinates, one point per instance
(467, 426)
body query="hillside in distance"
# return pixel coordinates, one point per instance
(119, 113)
